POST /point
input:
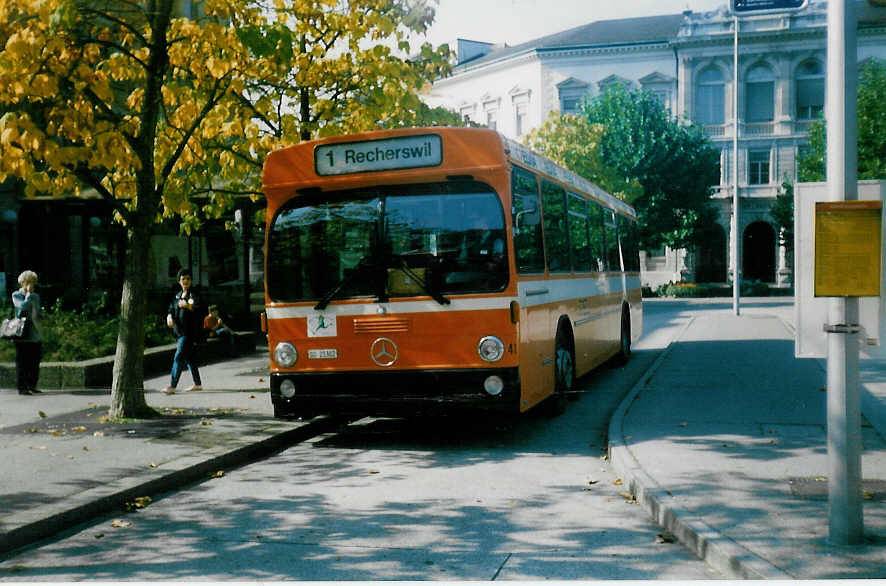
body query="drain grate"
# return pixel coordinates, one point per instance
(816, 488)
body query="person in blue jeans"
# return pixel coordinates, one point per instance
(187, 323)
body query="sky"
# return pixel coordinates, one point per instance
(516, 21)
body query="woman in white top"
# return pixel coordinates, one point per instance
(29, 348)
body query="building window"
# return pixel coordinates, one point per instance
(520, 102)
(570, 105)
(758, 167)
(520, 112)
(660, 86)
(710, 97)
(572, 94)
(810, 90)
(759, 95)
(613, 81)
(663, 97)
(467, 112)
(492, 119)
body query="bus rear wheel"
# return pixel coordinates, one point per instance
(624, 349)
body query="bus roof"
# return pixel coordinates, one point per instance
(339, 161)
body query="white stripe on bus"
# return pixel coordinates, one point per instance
(529, 295)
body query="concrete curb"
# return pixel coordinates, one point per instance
(36, 524)
(717, 550)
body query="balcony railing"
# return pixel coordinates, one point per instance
(747, 129)
(758, 129)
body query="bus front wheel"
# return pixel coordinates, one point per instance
(564, 372)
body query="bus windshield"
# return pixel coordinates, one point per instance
(428, 239)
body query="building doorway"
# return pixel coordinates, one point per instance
(710, 264)
(758, 253)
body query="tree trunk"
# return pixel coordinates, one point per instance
(127, 388)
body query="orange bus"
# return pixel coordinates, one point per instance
(421, 269)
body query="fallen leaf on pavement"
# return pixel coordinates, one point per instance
(79, 428)
(121, 523)
(85, 448)
(206, 422)
(138, 503)
(617, 482)
(218, 474)
(99, 535)
(152, 465)
(42, 414)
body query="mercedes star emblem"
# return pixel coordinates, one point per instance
(384, 352)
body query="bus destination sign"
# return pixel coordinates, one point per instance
(405, 152)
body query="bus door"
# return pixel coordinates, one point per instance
(533, 293)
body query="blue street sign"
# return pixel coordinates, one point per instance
(761, 6)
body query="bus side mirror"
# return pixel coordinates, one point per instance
(518, 217)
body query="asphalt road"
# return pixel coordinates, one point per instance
(390, 499)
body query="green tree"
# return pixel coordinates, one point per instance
(871, 129)
(574, 142)
(171, 115)
(675, 164)
(627, 143)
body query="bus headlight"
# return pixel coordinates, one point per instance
(285, 354)
(287, 388)
(491, 349)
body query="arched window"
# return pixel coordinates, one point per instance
(810, 90)
(709, 97)
(759, 95)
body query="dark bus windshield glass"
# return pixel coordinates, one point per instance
(429, 239)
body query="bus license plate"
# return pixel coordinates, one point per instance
(324, 353)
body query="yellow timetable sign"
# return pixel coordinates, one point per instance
(847, 248)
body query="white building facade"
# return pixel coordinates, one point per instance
(686, 60)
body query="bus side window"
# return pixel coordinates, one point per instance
(611, 242)
(526, 220)
(578, 233)
(553, 201)
(595, 232)
(630, 251)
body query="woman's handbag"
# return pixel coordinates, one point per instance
(13, 328)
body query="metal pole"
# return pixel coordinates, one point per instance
(844, 398)
(736, 270)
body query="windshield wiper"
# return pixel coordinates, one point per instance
(361, 265)
(435, 295)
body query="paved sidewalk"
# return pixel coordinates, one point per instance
(62, 464)
(724, 442)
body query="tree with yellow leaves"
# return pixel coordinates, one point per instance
(168, 108)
